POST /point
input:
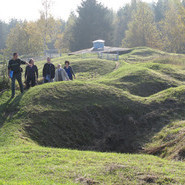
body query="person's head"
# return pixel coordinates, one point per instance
(15, 56)
(59, 66)
(49, 60)
(31, 61)
(67, 63)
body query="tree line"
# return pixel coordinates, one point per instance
(158, 25)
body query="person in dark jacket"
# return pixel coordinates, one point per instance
(69, 70)
(14, 72)
(31, 74)
(48, 71)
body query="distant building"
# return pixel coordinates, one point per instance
(102, 50)
(98, 45)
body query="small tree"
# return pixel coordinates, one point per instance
(67, 38)
(44, 19)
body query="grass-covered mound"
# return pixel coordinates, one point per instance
(78, 115)
(136, 105)
(169, 142)
(91, 116)
(44, 116)
(144, 79)
(84, 68)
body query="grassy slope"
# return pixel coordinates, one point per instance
(114, 101)
(38, 165)
(169, 142)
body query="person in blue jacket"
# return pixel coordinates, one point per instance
(69, 70)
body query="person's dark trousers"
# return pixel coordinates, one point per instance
(17, 77)
(30, 80)
(46, 81)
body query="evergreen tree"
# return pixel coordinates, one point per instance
(133, 4)
(183, 3)
(160, 8)
(123, 17)
(68, 38)
(94, 21)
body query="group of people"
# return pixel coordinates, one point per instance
(50, 74)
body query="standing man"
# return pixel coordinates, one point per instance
(48, 71)
(31, 74)
(14, 72)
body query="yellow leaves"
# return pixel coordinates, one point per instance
(173, 27)
(49, 28)
(25, 38)
(142, 29)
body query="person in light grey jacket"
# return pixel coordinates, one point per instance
(60, 74)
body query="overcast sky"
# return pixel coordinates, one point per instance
(29, 9)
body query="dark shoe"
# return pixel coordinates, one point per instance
(12, 97)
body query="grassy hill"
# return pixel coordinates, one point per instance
(134, 106)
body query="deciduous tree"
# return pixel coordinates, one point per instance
(142, 30)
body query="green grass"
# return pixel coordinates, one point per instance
(134, 106)
(169, 142)
(38, 165)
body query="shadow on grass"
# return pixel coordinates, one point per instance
(9, 108)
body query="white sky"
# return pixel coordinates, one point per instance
(29, 9)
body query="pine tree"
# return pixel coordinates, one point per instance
(133, 3)
(66, 39)
(160, 9)
(183, 3)
(94, 21)
(123, 17)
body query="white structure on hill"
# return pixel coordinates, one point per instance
(98, 45)
(108, 52)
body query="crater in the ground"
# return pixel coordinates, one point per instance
(143, 84)
(91, 117)
(87, 117)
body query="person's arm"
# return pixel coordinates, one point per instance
(56, 78)
(23, 62)
(9, 68)
(37, 74)
(66, 75)
(53, 72)
(26, 73)
(44, 71)
(72, 72)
